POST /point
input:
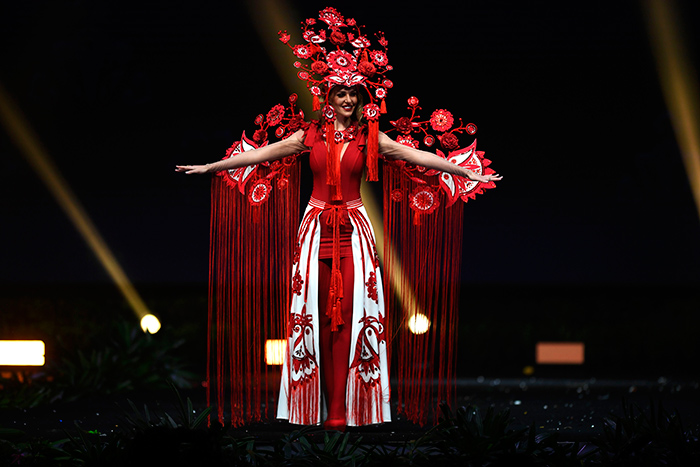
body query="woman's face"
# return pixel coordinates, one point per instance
(344, 101)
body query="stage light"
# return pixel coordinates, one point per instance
(275, 351)
(22, 353)
(150, 324)
(418, 323)
(559, 353)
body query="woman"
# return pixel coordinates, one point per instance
(332, 315)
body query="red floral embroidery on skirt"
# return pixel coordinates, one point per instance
(297, 282)
(372, 286)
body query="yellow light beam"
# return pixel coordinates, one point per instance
(27, 141)
(678, 83)
(405, 294)
(270, 16)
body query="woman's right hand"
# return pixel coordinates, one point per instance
(192, 169)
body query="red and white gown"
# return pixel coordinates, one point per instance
(336, 374)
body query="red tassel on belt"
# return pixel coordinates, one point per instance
(335, 295)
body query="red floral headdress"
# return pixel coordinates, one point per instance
(339, 54)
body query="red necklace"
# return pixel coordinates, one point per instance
(347, 134)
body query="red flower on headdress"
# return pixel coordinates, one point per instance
(329, 113)
(259, 191)
(371, 111)
(284, 36)
(338, 38)
(388, 83)
(351, 22)
(315, 90)
(341, 61)
(302, 51)
(311, 36)
(441, 120)
(471, 128)
(274, 116)
(319, 67)
(259, 119)
(360, 42)
(366, 68)
(382, 40)
(424, 200)
(449, 141)
(378, 57)
(413, 101)
(380, 93)
(331, 17)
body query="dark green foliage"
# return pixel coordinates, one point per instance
(656, 438)
(302, 447)
(124, 360)
(465, 438)
(129, 360)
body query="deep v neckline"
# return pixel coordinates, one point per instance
(344, 149)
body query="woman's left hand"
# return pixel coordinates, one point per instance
(484, 178)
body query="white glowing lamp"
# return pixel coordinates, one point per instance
(150, 324)
(275, 351)
(22, 353)
(418, 323)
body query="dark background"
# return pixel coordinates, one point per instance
(592, 235)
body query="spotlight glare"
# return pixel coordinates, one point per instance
(418, 323)
(275, 350)
(22, 353)
(150, 324)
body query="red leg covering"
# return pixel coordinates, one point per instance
(335, 345)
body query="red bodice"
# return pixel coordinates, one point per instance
(352, 165)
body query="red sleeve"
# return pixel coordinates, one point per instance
(311, 134)
(362, 138)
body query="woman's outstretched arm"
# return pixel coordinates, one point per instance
(292, 145)
(396, 151)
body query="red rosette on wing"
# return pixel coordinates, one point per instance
(423, 200)
(441, 120)
(259, 191)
